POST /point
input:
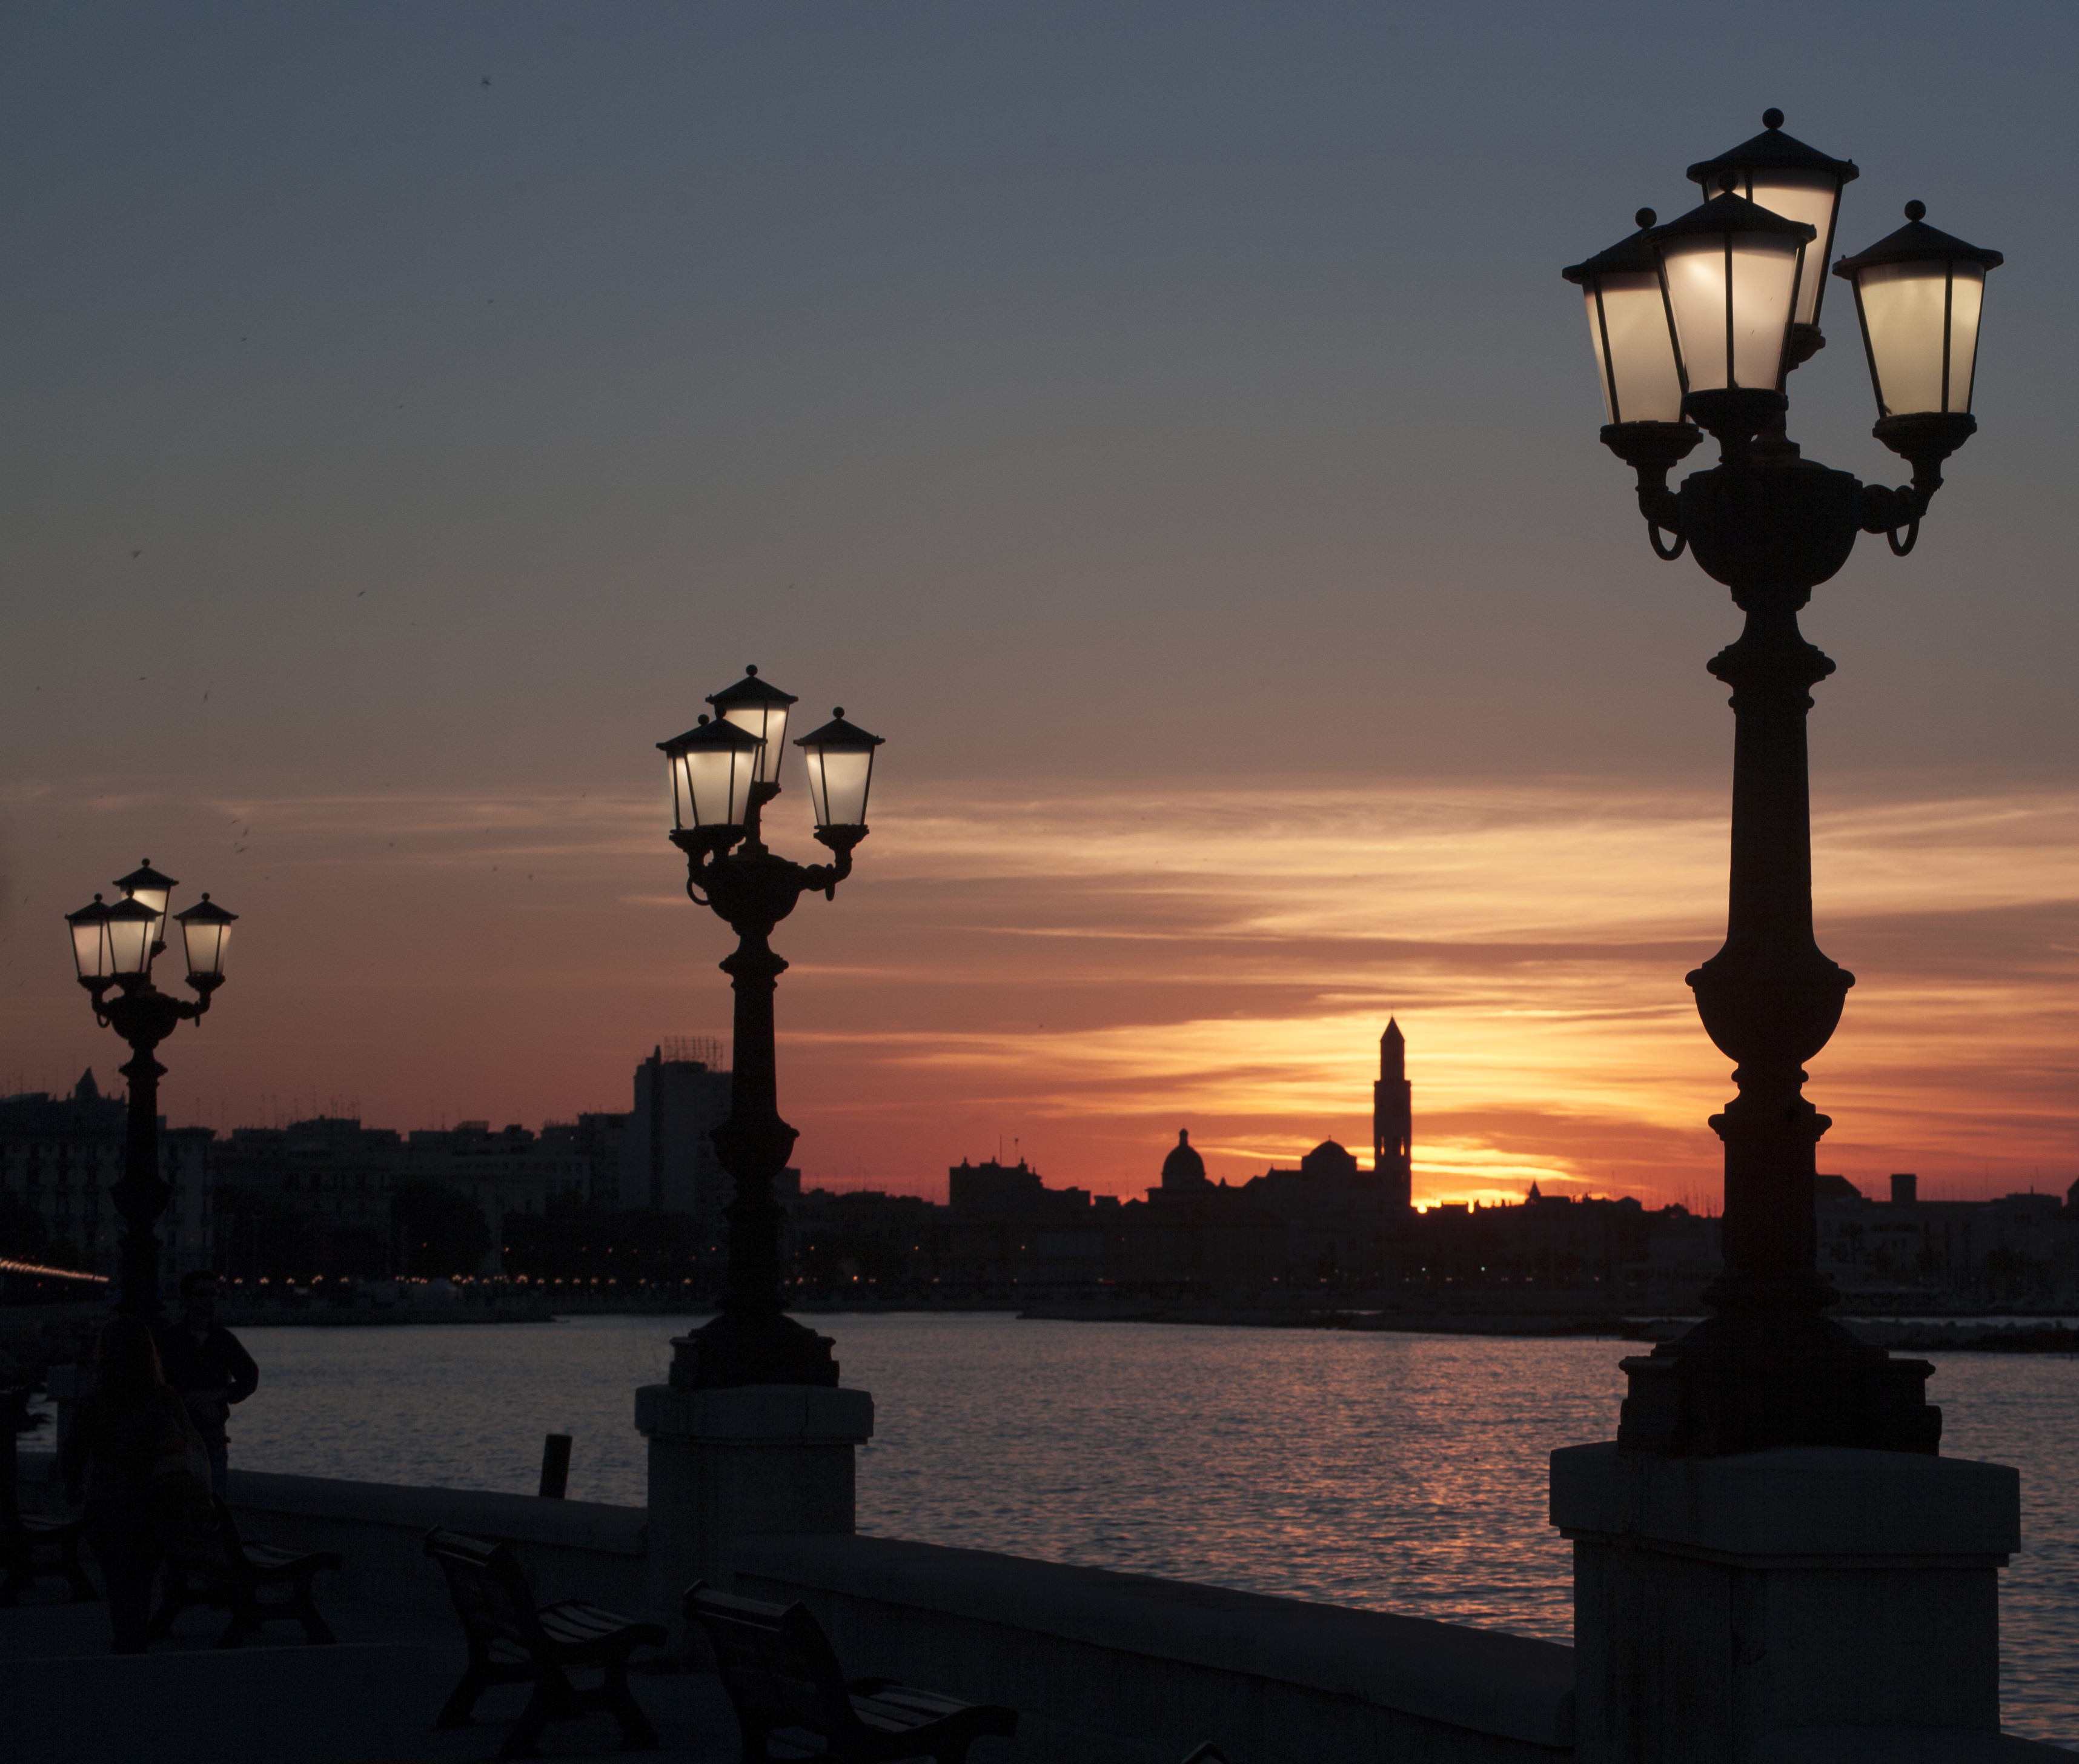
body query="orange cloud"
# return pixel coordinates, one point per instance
(1080, 974)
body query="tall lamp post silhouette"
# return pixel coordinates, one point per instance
(114, 946)
(724, 772)
(1698, 323)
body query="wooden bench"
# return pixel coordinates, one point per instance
(33, 1548)
(235, 1576)
(782, 1676)
(510, 1642)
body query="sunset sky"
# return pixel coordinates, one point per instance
(1165, 424)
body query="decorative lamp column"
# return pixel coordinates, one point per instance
(1772, 1560)
(1769, 1369)
(723, 774)
(114, 946)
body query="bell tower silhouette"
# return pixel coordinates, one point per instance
(1393, 1122)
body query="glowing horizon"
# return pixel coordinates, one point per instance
(1093, 972)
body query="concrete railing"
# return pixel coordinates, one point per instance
(1125, 1668)
(571, 1549)
(1133, 1669)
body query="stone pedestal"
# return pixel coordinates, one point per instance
(1810, 1602)
(751, 1458)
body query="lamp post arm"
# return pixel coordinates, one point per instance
(1662, 509)
(842, 841)
(1652, 449)
(1884, 510)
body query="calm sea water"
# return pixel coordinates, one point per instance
(1400, 1473)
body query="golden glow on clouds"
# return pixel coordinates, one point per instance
(1087, 973)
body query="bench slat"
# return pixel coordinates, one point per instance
(780, 1673)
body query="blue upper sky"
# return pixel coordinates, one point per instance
(1068, 388)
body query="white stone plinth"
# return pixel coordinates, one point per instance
(1745, 1610)
(765, 1458)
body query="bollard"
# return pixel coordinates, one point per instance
(555, 1465)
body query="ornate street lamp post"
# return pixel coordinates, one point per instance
(114, 946)
(1700, 322)
(723, 774)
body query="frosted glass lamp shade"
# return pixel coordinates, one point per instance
(1731, 270)
(760, 710)
(133, 929)
(206, 929)
(713, 768)
(147, 885)
(1919, 294)
(1781, 174)
(1812, 199)
(1629, 329)
(840, 759)
(90, 941)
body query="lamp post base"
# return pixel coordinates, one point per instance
(725, 1465)
(735, 1350)
(1790, 1605)
(1755, 1381)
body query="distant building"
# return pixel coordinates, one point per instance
(1336, 1220)
(1393, 1122)
(1549, 1242)
(668, 1155)
(2019, 1246)
(861, 1242)
(1006, 1228)
(1192, 1233)
(504, 1172)
(62, 1155)
(331, 1170)
(598, 1139)
(1328, 1221)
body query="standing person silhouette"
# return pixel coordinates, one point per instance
(206, 1363)
(134, 1451)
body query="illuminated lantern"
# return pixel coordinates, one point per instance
(713, 767)
(89, 943)
(1630, 329)
(146, 885)
(1919, 294)
(205, 930)
(1731, 270)
(133, 929)
(840, 757)
(1777, 172)
(759, 710)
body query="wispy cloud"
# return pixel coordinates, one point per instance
(1095, 969)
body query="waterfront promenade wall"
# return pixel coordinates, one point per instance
(1135, 1670)
(1124, 1667)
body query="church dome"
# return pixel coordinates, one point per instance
(1329, 1160)
(1183, 1169)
